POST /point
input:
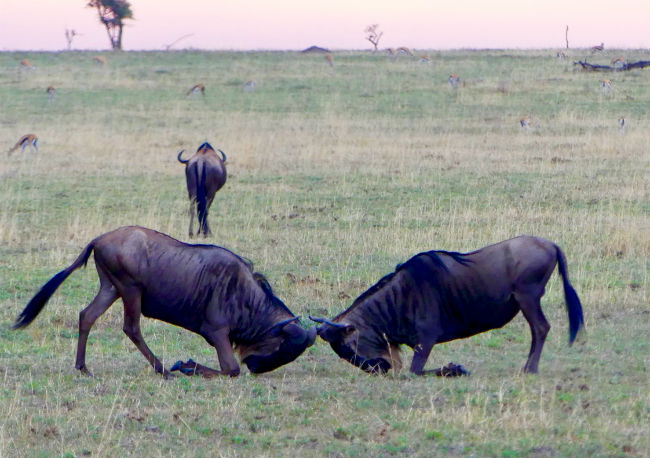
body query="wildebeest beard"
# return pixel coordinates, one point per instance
(291, 347)
(371, 365)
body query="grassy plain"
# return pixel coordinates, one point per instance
(336, 175)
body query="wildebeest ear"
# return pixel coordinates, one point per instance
(349, 329)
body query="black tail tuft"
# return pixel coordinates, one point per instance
(40, 299)
(574, 308)
(201, 199)
(37, 303)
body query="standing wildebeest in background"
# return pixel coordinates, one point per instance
(205, 173)
(205, 289)
(28, 139)
(438, 296)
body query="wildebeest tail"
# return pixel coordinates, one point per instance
(201, 200)
(572, 301)
(37, 303)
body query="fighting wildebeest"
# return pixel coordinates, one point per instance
(205, 173)
(438, 296)
(205, 289)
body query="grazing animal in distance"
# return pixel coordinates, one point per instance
(249, 86)
(454, 80)
(404, 50)
(618, 62)
(205, 174)
(621, 124)
(525, 122)
(330, 59)
(28, 139)
(196, 89)
(439, 296)
(561, 55)
(101, 60)
(27, 65)
(598, 48)
(606, 86)
(51, 92)
(205, 289)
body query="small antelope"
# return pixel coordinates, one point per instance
(390, 51)
(404, 50)
(454, 80)
(525, 122)
(249, 86)
(99, 60)
(598, 48)
(51, 92)
(29, 139)
(561, 56)
(196, 89)
(330, 59)
(618, 62)
(425, 59)
(27, 65)
(606, 85)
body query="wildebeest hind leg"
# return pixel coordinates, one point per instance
(132, 313)
(221, 342)
(87, 317)
(192, 212)
(539, 327)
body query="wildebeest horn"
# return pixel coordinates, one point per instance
(278, 326)
(224, 155)
(326, 321)
(182, 161)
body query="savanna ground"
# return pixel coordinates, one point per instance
(336, 175)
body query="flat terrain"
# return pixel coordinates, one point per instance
(336, 174)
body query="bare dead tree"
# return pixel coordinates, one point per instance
(69, 36)
(373, 35)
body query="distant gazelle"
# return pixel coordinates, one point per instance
(26, 64)
(99, 60)
(561, 56)
(425, 59)
(28, 139)
(618, 62)
(196, 89)
(525, 122)
(249, 86)
(606, 85)
(598, 48)
(454, 80)
(50, 91)
(404, 50)
(330, 59)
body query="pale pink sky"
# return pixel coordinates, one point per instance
(335, 24)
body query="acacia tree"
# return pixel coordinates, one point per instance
(112, 14)
(373, 35)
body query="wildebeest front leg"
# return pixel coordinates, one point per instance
(539, 327)
(420, 356)
(132, 313)
(221, 342)
(87, 317)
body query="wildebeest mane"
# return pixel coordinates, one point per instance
(424, 266)
(268, 291)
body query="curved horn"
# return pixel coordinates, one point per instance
(224, 155)
(277, 326)
(181, 160)
(326, 321)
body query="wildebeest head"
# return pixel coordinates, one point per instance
(281, 344)
(361, 347)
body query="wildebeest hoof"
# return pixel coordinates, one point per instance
(84, 370)
(187, 368)
(451, 370)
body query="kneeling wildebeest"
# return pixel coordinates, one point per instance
(205, 289)
(438, 296)
(205, 173)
